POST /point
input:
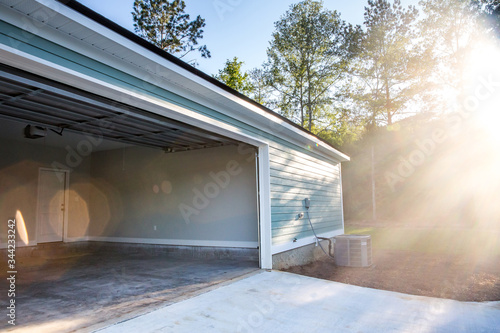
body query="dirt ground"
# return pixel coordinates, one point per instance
(458, 277)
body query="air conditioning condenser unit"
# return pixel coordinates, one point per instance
(353, 250)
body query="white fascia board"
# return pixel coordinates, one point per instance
(228, 103)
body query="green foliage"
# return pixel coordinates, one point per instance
(390, 68)
(450, 31)
(261, 90)
(165, 24)
(489, 11)
(234, 77)
(493, 15)
(338, 127)
(307, 56)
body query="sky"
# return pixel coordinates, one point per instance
(234, 28)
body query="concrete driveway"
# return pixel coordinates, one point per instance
(283, 302)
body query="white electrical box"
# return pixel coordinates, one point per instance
(353, 250)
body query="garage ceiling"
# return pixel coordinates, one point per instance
(36, 101)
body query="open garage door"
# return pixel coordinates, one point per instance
(134, 177)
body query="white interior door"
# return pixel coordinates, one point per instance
(51, 201)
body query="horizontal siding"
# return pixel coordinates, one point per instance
(293, 182)
(302, 188)
(284, 158)
(282, 164)
(287, 238)
(304, 230)
(293, 222)
(294, 177)
(274, 150)
(303, 179)
(316, 208)
(287, 171)
(284, 218)
(285, 197)
(298, 202)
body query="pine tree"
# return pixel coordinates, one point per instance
(233, 76)
(390, 66)
(307, 56)
(165, 24)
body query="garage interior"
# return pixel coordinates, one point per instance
(122, 210)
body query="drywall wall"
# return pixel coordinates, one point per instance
(205, 196)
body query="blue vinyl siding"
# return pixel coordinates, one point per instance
(294, 177)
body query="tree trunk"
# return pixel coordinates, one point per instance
(302, 118)
(388, 103)
(309, 107)
(374, 200)
(309, 112)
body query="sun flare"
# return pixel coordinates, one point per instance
(482, 75)
(21, 228)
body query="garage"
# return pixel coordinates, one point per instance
(134, 179)
(123, 175)
(102, 186)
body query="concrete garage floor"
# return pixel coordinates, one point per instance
(79, 291)
(283, 302)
